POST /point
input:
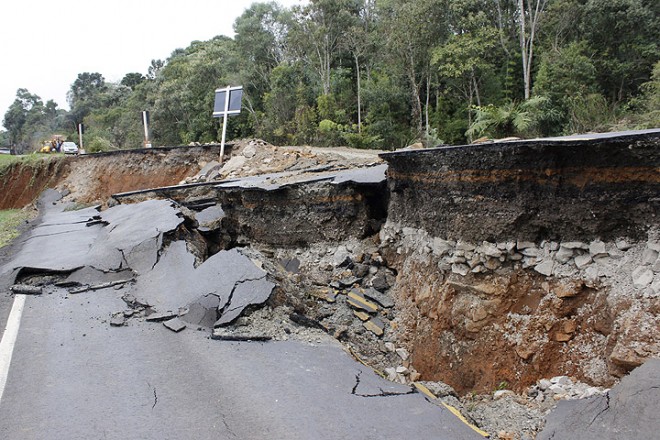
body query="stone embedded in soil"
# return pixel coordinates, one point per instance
(583, 261)
(649, 256)
(623, 245)
(291, 265)
(460, 269)
(545, 267)
(597, 248)
(642, 277)
(575, 245)
(349, 281)
(499, 394)
(380, 283)
(564, 255)
(403, 354)
(562, 337)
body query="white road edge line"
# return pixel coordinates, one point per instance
(9, 339)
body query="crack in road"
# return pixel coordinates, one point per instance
(50, 235)
(159, 251)
(382, 393)
(224, 421)
(607, 407)
(644, 391)
(357, 383)
(155, 399)
(123, 260)
(231, 294)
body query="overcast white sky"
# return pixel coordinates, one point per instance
(45, 44)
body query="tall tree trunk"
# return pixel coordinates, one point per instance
(428, 99)
(527, 41)
(476, 88)
(523, 47)
(359, 102)
(416, 100)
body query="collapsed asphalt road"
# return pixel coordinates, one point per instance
(92, 358)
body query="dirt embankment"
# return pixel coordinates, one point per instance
(21, 183)
(525, 260)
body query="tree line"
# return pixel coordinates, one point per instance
(382, 74)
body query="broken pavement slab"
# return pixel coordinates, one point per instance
(246, 293)
(424, 390)
(175, 282)
(358, 301)
(628, 411)
(375, 325)
(382, 299)
(160, 317)
(202, 311)
(175, 324)
(117, 319)
(63, 242)
(362, 316)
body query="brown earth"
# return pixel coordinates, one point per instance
(460, 331)
(21, 184)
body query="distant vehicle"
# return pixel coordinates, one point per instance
(5, 151)
(69, 148)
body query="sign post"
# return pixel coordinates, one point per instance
(145, 122)
(227, 103)
(81, 130)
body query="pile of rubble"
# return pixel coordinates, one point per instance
(256, 157)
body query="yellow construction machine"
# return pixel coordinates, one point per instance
(53, 144)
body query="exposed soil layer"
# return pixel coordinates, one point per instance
(22, 183)
(530, 190)
(525, 260)
(302, 214)
(100, 176)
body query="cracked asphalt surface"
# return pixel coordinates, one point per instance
(629, 410)
(74, 376)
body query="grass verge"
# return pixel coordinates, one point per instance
(10, 220)
(6, 160)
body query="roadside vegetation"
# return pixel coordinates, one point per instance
(381, 74)
(6, 160)
(10, 220)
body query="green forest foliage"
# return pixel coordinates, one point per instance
(382, 74)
